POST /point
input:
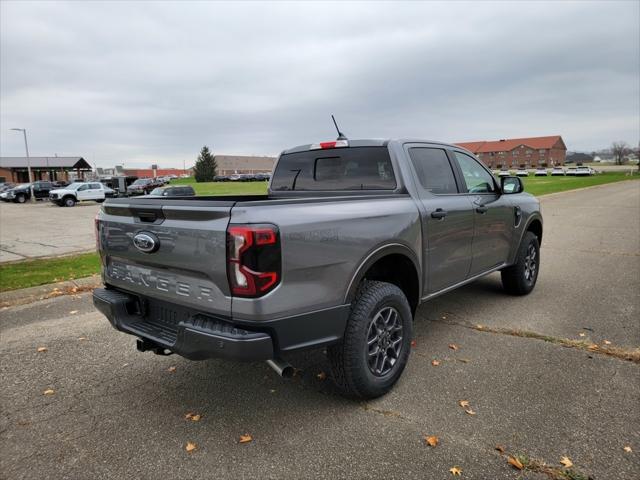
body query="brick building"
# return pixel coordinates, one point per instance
(519, 152)
(14, 169)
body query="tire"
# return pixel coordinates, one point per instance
(21, 198)
(356, 368)
(100, 201)
(520, 278)
(69, 201)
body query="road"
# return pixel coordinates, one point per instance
(45, 230)
(117, 413)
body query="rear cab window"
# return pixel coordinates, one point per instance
(335, 169)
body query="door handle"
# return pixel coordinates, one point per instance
(482, 209)
(439, 213)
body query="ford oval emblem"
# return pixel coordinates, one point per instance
(146, 242)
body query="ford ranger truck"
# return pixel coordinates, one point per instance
(350, 238)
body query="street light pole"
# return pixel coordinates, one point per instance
(26, 147)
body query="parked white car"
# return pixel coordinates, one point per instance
(522, 172)
(541, 172)
(504, 173)
(78, 192)
(582, 171)
(557, 171)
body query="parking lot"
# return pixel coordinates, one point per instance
(45, 230)
(522, 363)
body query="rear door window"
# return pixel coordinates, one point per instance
(433, 170)
(350, 168)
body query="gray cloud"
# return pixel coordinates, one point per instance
(142, 82)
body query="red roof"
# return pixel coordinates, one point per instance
(511, 143)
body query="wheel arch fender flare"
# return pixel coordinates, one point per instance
(372, 257)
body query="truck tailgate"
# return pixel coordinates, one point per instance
(188, 265)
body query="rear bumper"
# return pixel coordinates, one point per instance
(199, 335)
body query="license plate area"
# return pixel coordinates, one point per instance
(165, 315)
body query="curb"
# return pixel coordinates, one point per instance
(41, 292)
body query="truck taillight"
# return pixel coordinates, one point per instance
(333, 144)
(253, 259)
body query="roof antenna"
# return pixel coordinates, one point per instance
(341, 136)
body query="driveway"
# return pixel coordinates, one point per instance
(116, 413)
(45, 230)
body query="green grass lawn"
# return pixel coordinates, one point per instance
(223, 188)
(31, 273)
(544, 185)
(533, 185)
(39, 272)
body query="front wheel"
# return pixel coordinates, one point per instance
(520, 278)
(21, 198)
(69, 201)
(377, 341)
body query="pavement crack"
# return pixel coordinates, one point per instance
(385, 413)
(631, 355)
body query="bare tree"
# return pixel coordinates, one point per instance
(620, 150)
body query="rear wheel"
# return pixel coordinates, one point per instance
(376, 345)
(520, 278)
(21, 198)
(69, 201)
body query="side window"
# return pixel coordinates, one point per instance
(478, 180)
(434, 170)
(83, 188)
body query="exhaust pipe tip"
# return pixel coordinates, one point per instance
(282, 368)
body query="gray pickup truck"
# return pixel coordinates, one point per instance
(350, 239)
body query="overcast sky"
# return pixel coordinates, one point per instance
(141, 82)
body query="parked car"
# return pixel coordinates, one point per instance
(262, 177)
(571, 171)
(6, 186)
(235, 177)
(109, 192)
(78, 192)
(173, 191)
(504, 173)
(522, 172)
(584, 171)
(221, 178)
(337, 256)
(22, 193)
(143, 186)
(557, 171)
(540, 172)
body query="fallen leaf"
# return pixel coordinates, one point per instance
(515, 462)
(593, 346)
(321, 376)
(463, 403)
(479, 326)
(42, 349)
(272, 391)
(73, 312)
(190, 447)
(435, 363)
(82, 338)
(171, 369)
(607, 342)
(74, 289)
(413, 343)
(500, 448)
(469, 411)
(463, 360)
(627, 449)
(188, 416)
(246, 438)
(455, 471)
(444, 317)
(453, 346)
(582, 334)
(196, 418)
(48, 391)
(566, 462)
(432, 441)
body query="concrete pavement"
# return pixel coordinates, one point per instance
(49, 231)
(118, 413)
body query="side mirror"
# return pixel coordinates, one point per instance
(510, 185)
